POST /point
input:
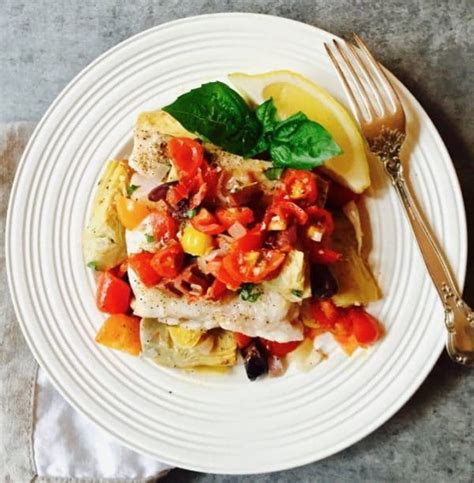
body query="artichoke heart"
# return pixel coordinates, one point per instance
(103, 240)
(293, 280)
(357, 285)
(175, 346)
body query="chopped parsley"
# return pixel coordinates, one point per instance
(297, 293)
(191, 213)
(92, 265)
(149, 238)
(131, 189)
(250, 292)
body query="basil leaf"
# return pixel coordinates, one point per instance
(267, 115)
(93, 265)
(249, 292)
(300, 143)
(273, 173)
(218, 113)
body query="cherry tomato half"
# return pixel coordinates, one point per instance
(113, 294)
(206, 222)
(325, 313)
(187, 155)
(252, 240)
(224, 276)
(141, 265)
(365, 327)
(253, 266)
(228, 216)
(168, 261)
(286, 211)
(164, 226)
(280, 349)
(300, 186)
(322, 219)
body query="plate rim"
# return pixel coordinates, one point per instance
(15, 297)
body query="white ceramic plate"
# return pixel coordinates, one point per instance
(214, 423)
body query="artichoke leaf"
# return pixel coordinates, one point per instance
(357, 284)
(103, 239)
(174, 346)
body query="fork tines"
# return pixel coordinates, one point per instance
(370, 93)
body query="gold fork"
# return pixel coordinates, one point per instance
(380, 114)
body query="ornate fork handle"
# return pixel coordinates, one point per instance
(459, 317)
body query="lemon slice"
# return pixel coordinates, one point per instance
(291, 93)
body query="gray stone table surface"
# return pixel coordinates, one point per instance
(427, 44)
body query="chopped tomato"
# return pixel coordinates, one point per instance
(164, 226)
(300, 186)
(252, 240)
(321, 254)
(187, 155)
(224, 276)
(339, 195)
(113, 294)
(285, 211)
(210, 178)
(121, 332)
(120, 270)
(242, 340)
(216, 290)
(365, 327)
(325, 313)
(141, 265)
(321, 220)
(279, 349)
(168, 261)
(206, 222)
(228, 216)
(253, 266)
(130, 212)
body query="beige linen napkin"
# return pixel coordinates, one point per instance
(42, 438)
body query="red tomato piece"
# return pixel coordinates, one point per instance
(280, 349)
(365, 327)
(322, 219)
(164, 226)
(253, 266)
(187, 155)
(339, 195)
(217, 290)
(141, 265)
(228, 216)
(325, 313)
(287, 211)
(120, 270)
(300, 186)
(321, 254)
(113, 294)
(252, 240)
(168, 261)
(206, 222)
(242, 340)
(226, 278)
